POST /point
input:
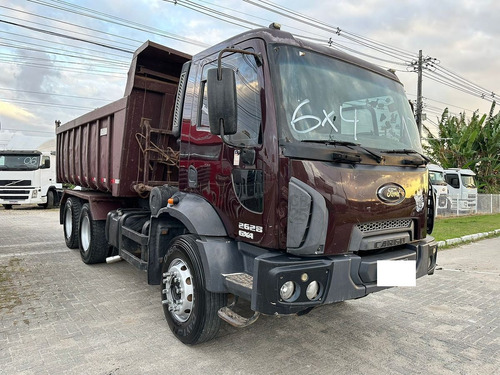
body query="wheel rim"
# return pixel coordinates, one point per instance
(68, 222)
(179, 296)
(85, 233)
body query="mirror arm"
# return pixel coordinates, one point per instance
(258, 58)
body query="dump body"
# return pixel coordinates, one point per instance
(122, 145)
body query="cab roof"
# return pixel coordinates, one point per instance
(274, 36)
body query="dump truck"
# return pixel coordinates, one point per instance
(266, 170)
(28, 177)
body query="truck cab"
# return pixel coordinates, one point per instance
(440, 187)
(28, 177)
(462, 190)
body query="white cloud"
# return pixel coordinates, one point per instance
(15, 112)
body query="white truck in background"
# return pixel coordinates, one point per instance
(28, 177)
(440, 187)
(462, 190)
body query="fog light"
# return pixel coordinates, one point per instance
(312, 290)
(287, 290)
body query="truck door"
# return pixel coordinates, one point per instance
(453, 179)
(230, 171)
(46, 173)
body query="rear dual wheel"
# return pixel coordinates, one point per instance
(71, 221)
(94, 247)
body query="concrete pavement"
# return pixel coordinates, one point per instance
(59, 315)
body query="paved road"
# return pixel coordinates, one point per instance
(59, 315)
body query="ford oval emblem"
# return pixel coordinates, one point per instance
(391, 193)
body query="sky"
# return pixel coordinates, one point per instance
(62, 58)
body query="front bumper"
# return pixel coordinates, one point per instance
(22, 196)
(340, 278)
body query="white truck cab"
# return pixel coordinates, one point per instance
(462, 189)
(28, 177)
(440, 187)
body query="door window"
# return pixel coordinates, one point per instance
(452, 179)
(248, 96)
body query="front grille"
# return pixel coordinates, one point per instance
(14, 191)
(15, 183)
(384, 225)
(14, 197)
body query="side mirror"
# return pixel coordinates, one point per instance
(46, 163)
(222, 101)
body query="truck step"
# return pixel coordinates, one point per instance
(240, 284)
(235, 319)
(133, 260)
(227, 314)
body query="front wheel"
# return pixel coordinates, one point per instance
(50, 199)
(190, 310)
(7, 206)
(93, 245)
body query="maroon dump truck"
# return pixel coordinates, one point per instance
(265, 168)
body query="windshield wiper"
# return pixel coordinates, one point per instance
(330, 142)
(334, 142)
(378, 158)
(425, 159)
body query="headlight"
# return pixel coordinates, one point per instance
(287, 290)
(312, 290)
(34, 194)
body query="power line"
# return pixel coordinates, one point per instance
(52, 94)
(72, 25)
(457, 81)
(72, 46)
(66, 69)
(29, 131)
(437, 101)
(83, 56)
(92, 13)
(45, 104)
(65, 36)
(213, 13)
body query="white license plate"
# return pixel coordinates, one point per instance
(396, 273)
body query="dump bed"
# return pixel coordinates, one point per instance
(127, 146)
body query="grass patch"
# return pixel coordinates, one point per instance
(454, 227)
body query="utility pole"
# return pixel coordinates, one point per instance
(418, 66)
(418, 111)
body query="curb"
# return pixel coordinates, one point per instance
(468, 238)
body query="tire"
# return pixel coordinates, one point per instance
(92, 240)
(50, 199)
(191, 311)
(7, 206)
(71, 219)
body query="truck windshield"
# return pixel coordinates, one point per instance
(468, 181)
(19, 162)
(437, 178)
(325, 99)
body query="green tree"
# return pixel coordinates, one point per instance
(473, 143)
